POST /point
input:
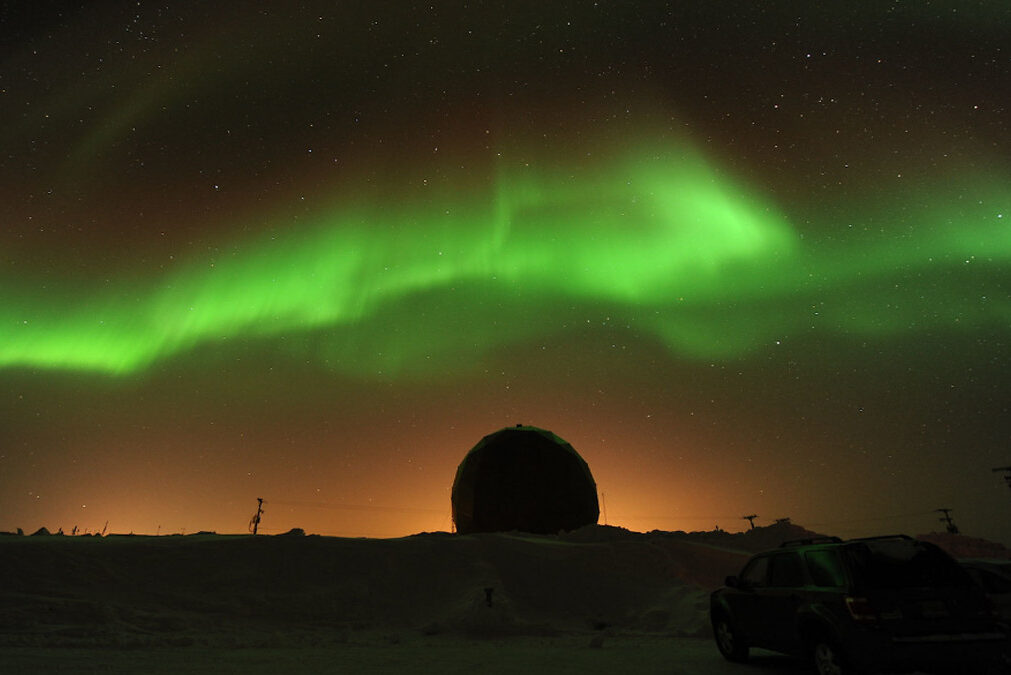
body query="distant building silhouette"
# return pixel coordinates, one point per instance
(523, 478)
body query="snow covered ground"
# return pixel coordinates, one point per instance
(415, 654)
(598, 600)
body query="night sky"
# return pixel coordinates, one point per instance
(747, 258)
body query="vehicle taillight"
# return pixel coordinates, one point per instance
(861, 609)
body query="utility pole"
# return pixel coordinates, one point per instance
(254, 522)
(750, 519)
(1007, 473)
(946, 518)
(603, 504)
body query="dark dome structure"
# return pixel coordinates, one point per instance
(523, 478)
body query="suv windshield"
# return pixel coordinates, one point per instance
(903, 564)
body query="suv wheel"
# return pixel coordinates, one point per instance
(729, 640)
(828, 659)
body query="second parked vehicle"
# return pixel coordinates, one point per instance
(888, 603)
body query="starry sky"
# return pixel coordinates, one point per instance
(747, 258)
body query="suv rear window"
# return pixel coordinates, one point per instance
(903, 564)
(992, 582)
(825, 568)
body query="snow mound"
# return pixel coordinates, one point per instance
(294, 590)
(242, 590)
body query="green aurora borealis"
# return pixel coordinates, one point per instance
(658, 239)
(746, 259)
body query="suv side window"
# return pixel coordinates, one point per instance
(786, 571)
(825, 568)
(754, 574)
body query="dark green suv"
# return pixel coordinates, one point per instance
(861, 605)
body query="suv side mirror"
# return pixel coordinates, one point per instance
(732, 582)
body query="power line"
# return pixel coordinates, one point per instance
(623, 517)
(615, 517)
(619, 517)
(359, 507)
(873, 518)
(344, 534)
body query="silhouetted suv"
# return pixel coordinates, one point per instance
(881, 603)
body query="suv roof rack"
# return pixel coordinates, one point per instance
(884, 536)
(811, 540)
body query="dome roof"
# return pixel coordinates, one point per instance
(523, 478)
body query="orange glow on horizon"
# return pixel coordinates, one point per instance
(153, 482)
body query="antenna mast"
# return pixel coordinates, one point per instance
(254, 522)
(1007, 473)
(946, 518)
